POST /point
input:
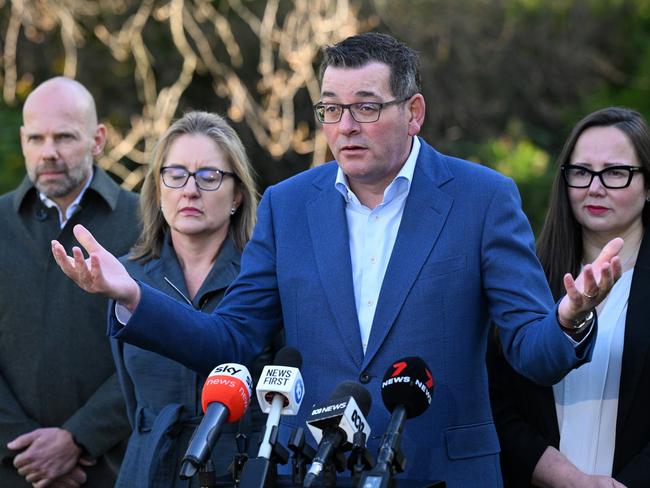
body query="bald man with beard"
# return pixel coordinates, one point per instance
(62, 419)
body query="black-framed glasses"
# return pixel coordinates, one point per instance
(362, 112)
(613, 177)
(208, 179)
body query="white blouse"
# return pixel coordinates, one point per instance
(586, 400)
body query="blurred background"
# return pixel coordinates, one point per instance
(504, 80)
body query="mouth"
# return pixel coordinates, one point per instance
(190, 211)
(596, 209)
(352, 149)
(50, 172)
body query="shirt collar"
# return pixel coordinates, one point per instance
(401, 183)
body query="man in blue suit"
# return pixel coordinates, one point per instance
(392, 250)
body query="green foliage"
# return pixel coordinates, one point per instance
(11, 160)
(515, 155)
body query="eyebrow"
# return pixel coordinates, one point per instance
(606, 164)
(182, 166)
(362, 94)
(55, 134)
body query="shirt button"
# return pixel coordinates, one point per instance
(373, 260)
(370, 303)
(364, 378)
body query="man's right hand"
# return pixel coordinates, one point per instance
(101, 273)
(72, 479)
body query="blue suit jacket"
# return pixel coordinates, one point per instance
(464, 253)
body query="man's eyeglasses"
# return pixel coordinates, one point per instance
(613, 177)
(362, 112)
(207, 179)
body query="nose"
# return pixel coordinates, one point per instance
(190, 189)
(596, 187)
(49, 149)
(347, 124)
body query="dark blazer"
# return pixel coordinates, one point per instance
(464, 252)
(525, 414)
(56, 368)
(163, 397)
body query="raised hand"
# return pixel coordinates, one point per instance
(592, 285)
(100, 273)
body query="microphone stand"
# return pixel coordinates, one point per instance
(303, 454)
(261, 472)
(359, 459)
(240, 459)
(390, 459)
(207, 478)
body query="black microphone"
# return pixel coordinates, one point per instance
(406, 391)
(225, 398)
(334, 423)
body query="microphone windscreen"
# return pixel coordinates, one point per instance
(353, 389)
(408, 382)
(231, 385)
(288, 356)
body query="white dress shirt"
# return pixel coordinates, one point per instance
(372, 234)
(586, 400)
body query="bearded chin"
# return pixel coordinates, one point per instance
(56, 189)
(62, 188)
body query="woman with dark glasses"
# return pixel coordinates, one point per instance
(592, 428)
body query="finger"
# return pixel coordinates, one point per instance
(589, 284)
(606, 279)
(81, 268)
(22, 441)
(86, 239)
(617, 268)
(24, 466)
(37, 479)
(95, 273)
(87, 461)
(22, 463)
(611, 249)
(65, 262)
(575, 296)
(77, 475)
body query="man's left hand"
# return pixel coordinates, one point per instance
(48, 454)
(592, 285)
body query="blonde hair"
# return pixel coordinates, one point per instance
(154, 226)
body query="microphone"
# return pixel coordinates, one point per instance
(334, 423)
(280, 391)
(225, 398)
(406, 391)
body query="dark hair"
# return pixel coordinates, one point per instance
(559, 246)
(357, 51)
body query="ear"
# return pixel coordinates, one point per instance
(99, 138)
(417, 109)
(238, 198)
(22, 138)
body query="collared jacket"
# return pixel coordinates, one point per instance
(464, 254)
(163, 397)
(56, 368)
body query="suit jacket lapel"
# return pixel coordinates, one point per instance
(424, 216)
(329, 233)
(637, 336)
